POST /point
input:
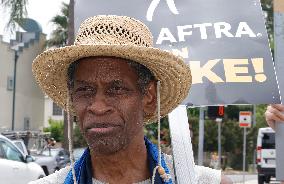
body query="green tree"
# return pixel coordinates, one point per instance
(267, 7)
(151, 131)
(232, 134)
(56, 129)
(17, 11)
(78, 140)
(60, 34)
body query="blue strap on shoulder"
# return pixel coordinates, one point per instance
(153, 154)
(83, 170)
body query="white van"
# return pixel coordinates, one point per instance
(266, 154)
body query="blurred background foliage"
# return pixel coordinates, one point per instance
(231, 138)
(56, 130)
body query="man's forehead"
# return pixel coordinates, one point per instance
(88, 82)
(102, 59)
(106, 68)
(103, 63)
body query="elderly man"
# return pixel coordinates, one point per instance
(114, 81)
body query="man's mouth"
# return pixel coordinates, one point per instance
(102, 128)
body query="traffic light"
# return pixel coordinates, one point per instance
(214, 112)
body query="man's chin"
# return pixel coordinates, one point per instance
(107, 145)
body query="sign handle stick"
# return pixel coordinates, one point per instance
(244, 153)
(182, 147)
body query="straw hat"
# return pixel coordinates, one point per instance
(117, 36)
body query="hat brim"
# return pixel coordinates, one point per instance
(50, 71)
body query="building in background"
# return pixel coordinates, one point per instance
(29, 99)
(51, 111)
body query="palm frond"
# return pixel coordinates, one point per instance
(60, 34)
(60, 21)
(17, 9)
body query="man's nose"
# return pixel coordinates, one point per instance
(99, 105)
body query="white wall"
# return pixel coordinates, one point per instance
(29, 98)
(6, 69)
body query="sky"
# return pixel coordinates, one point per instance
(40, 10)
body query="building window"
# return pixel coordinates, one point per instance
(56, 110)
(10, 83)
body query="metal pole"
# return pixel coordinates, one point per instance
(253, 125)
(244, 153)
(201, 136)
(14, 89)
(279, 64)
(219, 144)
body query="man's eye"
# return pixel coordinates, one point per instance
(117, 90)
(83, 89)
(84, 92)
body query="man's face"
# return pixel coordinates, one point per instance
(108, 103)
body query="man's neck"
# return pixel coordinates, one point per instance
(126, 166)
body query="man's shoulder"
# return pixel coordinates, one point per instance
(56, 178)
(203, 174)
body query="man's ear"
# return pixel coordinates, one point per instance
(150, 99)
